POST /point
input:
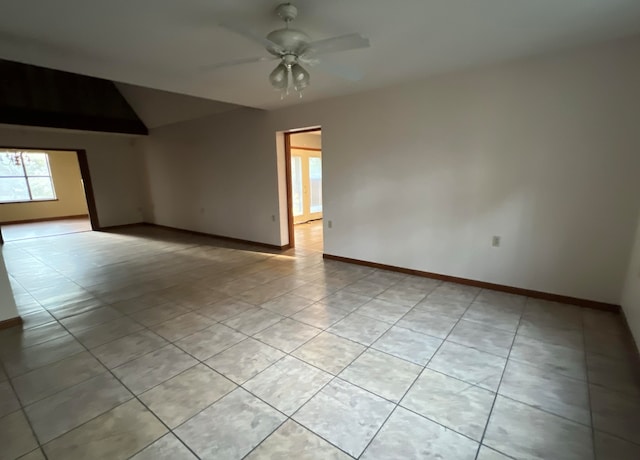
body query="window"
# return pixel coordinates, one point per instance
(25, 176)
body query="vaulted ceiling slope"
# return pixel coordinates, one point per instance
(159, 108)
(163, 44)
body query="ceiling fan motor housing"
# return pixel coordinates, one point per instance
(293, 41)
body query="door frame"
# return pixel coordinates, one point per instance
(85, 174)
(287, 169)
(306, 154)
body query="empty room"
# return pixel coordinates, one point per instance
(320, 230)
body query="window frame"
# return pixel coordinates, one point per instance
(26, 177)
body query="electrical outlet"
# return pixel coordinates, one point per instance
(329, 224)
(201, 210)
(273, 218)
(495, 241)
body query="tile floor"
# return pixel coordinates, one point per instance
(152, 344)
(309, 235)
(14, 232)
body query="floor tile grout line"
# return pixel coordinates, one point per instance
(495, 397)
(149, 327)
(333, 377)
(143, 327)
(471, 384)
(371, 346)
(199, 362)
(134, 396)
(109, 370)
(24, 414)
(618, 437)
(290, 417)
(417, 376)
(287, 417)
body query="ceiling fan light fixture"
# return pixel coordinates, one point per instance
(301, 77)
(279, 78)
(291, 46)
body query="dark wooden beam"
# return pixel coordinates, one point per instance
(36, 96)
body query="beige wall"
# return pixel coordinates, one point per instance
(116, 167)
(70, 198)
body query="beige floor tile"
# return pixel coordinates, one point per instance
(210, 341)
(543, 436)
(287, 335)
(18, 362)
(407, 435)
(8, 400)
(382, 374)
(287, 305)
(160, 314)
(128, 348)
(33, 455)
(361, 329)
(167, 447)
(224, 309)
(253, 321)
(63, 411)
(55, 377)
(288, 384)
(548, 391)
(468, 364)
(429, 322)
(329, 352)
(453, 403)
(183, 396)
(292, 440)
(345, 415)
(408, 345)
(107, 332)
(244, 360)
(230, 428)
(89, 319)
(153, 368)
(320, 315)
(117, 434)
(16, 437)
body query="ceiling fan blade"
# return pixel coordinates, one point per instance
(335, 44)
(251, 36)
(235, 62)
(341, 71)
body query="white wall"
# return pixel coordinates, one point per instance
(216, 175)
(116, 167)
(631, 293)
(543, 152)
(8, 308)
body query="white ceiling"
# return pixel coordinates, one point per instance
(159, 108)
(162, 43)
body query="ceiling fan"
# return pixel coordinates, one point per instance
(293, 47)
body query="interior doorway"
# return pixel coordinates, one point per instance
(304, 158)
(44, 192)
